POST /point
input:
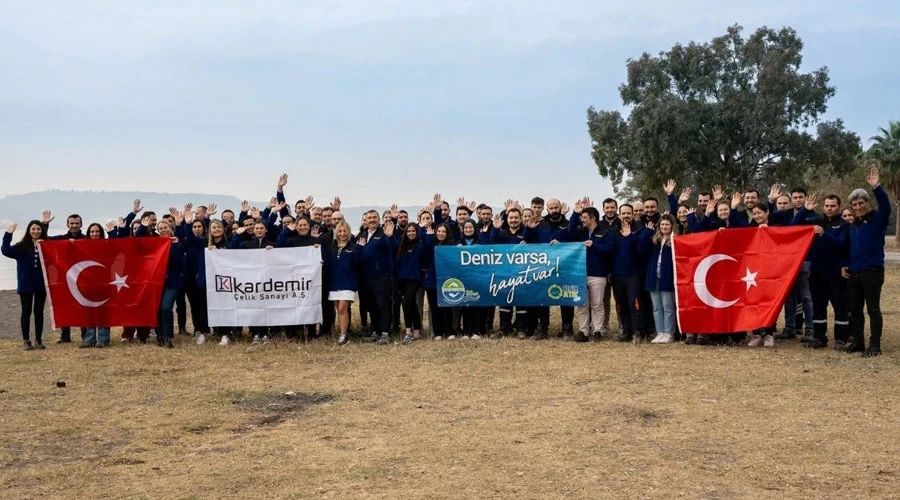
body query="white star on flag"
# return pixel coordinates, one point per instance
(120, 282)
(750, 279)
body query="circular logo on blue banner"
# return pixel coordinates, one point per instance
(453, 290)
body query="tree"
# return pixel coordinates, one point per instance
(732, 111)
(885, 150)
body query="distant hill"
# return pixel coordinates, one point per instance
(101, 206)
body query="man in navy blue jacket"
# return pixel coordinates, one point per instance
(825, 280)
(628, 279)
(376, 266)
(73, 224)
(865, 271)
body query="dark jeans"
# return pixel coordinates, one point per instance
(409, 289)
(166, 316)
(377, 293)
(627, 291)
(197, 297)
(825, 288)
(865, 289)
(33, 303)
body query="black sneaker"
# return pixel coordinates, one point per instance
(64, 340)
(856, 347)
(26, 346)
(540, 336)
(407, 339)
(384, 339)
(872, 351)
(814, 343)
(622, 337)
(344, 339)
(580, 337)
(702, 340)
(39, 345)
(495, 336)
(786, 334)
(169, 344)
(841, 345)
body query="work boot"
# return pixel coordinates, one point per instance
(786, 334)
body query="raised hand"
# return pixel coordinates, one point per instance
(717, 193)
(471, 205)
(314, 232)
(669, 187)
(437, 200)
(389, 228)
(429, 229)
(110, 225)
(211, 210)
(188, 208)
(588, 202)
(361, 240)
(736, 199)
(282, 181)
(811, 202)
(873, 178)
(120, 222)
(145, 221)
(272, 202)
(279, 206)
(685, 195)
(336, 204)
(534, 222)
(626, 229)
(460, 202)
(11, 228)
(47, 217)
(254, 212)
(774, 192)
(173, 211)
(563, 208)
(395, 212)
(136, 207)
(579, 206)
(651, 226)
(292, 226)
(179, 218)
(245, 206)
(510, 203)
(309, 203)
(240, 230)
(498, 222)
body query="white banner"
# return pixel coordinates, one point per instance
(281, 286)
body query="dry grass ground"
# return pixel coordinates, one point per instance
(477, 419)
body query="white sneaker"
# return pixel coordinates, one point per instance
(769, 341)
(452, 337)
(476, 337)
(265, 339)
(658, 338)
(665, 338)
(201, 339)
(438, 337)
(224, 341)
(256, 339)
(465, 337)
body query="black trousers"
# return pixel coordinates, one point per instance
(199, 315)
(181, 309)
(627, 291)
(409, 289)
(540, 318)
(441, 317)
(328, 312)
(396, 303)
(377, 290)
(33, 304)
(487, 315)
(567, 313)
(825, 288)
(865, 290)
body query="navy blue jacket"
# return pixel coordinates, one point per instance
(660, 268)
(341, 266)
(409, 264)
(506, 237)
(430, 281)
(626, 261)
(29, 277)
(600, 251)
(238, 243)
(831, 248)
(377, 256)
(867, 235)
(175, 269)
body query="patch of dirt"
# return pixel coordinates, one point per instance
(272, 409)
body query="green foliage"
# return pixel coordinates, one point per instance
(733, 111)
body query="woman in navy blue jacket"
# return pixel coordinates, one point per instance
(441, 317)
(341, 257)
(174, 278)
(409, 278)
(29, 279)
(660, 281)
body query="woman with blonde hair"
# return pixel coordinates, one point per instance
(660, 281)
(341, 258)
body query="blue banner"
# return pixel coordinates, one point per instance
(518, 275)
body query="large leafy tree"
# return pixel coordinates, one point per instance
(734, 111)
(885, 150)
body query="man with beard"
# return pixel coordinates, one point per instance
(551, 225)
(514, 234)
(376, 267)
(825, 280)
(73, 224)
(627, 277)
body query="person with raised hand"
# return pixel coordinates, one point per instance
(29, 279)
(660, 281)
(96, 336)
(627, 277)
(341, 258)
(865, 270)
(376, 265)
(440, 318)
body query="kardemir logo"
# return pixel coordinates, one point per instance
(223, 283)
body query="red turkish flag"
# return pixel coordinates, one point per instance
(114, 282)
(735, 280)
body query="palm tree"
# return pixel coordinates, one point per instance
(886, 150)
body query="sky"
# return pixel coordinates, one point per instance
(376, 101)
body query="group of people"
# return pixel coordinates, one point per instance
(389, 264)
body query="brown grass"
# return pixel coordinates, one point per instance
(477, 419)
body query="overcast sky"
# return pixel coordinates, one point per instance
(373, 100)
